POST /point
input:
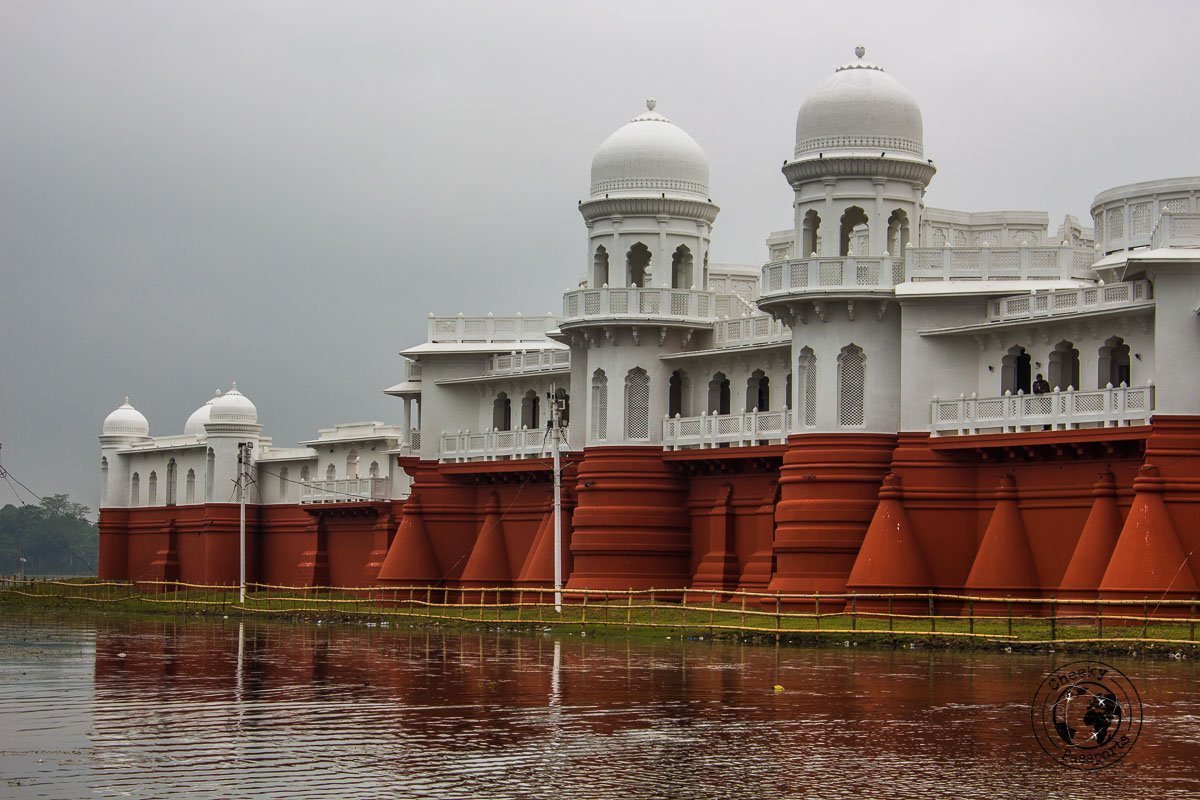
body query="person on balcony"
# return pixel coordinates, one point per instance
(1041, 385)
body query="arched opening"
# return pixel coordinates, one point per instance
(352, 464)
(897, 232)
(852, 385)
(190, 487)
(209, 475)
(171, 469)
(330, 472)
(810, 234)
(679, 394)
(599, 405)
(563, 398)
(283, 484)
(637, 405)
(637, 265)
(758, 391)
(103, 481)
(304, 473)
(787, 392)
(502, 413)
(681, 268)
(806, 369)
(373, 471)
(135, 490)
(152, 489)
(1063, 371)
(530, 410)
(718, 394)
(1015, 373)
(600, 268)
(853, 228)
(1113, 366)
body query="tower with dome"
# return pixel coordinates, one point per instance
(900, 398)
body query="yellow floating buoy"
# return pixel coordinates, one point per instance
(778, 688)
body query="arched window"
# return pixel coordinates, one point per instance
(637, 265)
(330, 472)
(1015, 373)
(810, 234)
(283, 484)
(852, 386)
(1064, 366)
(599, 405)
(103, 481)
(304, 473)
(502, 412)
(171, 470)
(1113, 365)
(637, 405)
(352, 464)
(897, 232)
(530, 410)
(135, 490)
(600, 268)
(679, 394)
(806, 368)
(189, 496)
(681, 268)
(209, 475)
(152, 490)
(563, 398)
(854, 226)
(374, 471)
(718, 394)
(787, 392)
(758, 392)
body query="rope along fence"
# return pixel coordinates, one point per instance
(896, 616)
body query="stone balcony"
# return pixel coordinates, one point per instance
(494, 445)
(634, 304)
(1113, 406)
(528, 363)
(344, 490)
(1065, 302)
(750, 330)
(489, 329)
(840, 274)
(715, 430)
(1176, 230)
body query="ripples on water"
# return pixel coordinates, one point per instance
(195, 710)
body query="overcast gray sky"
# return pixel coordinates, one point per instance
(278, 192)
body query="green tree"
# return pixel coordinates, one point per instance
(52, 538)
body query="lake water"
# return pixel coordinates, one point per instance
(94, 707)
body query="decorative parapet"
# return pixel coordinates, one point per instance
(412, 371)
(523, 363)
(637, 303)
(489, 329)
(750, 330)
(832, 274)
(494, 445)
(713, 430)
(1032, 263)
(1176, 230)
(344, 490)
(1064, 302)
(1112, 406)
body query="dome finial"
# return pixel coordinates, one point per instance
(126, 399)
(651, 103)
(860, 51)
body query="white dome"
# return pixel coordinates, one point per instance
(233, 407)
(648, 157)
(860, 107)
(195, 423)
(125, 421)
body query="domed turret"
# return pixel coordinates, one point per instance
(859, 108)
(648, 157)
(125, 420)
(195, 423)
(234, 408)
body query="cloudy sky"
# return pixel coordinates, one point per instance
(278, 192)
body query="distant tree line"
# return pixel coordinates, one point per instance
(54, 537)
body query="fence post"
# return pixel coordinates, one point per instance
(583, 617)
(1145, 615)
(1053, 618)
(891, 619)
(628, 607)
(971, 616)
(778, 620)
(932, 618)
(1099, 619)
(1193, 622)
(652, 606)
(853, 612)
(712, 613)
(1008, 605)
(817, 609)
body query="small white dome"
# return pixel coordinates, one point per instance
(648, 157)
(195, 423)
(233, 407)
(126, 421)
(860, 107)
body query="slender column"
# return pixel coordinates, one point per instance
(616, 259)
(666, 276)
(829, 243)
(877, 227)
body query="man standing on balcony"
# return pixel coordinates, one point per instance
(1041, 385)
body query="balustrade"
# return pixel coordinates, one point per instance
(344, 490)
(713, 430)
(491, 445)
(691, 305)
(1112, 406)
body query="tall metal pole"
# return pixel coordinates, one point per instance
(241, 484)
(558, 554)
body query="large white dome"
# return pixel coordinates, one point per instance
(195, 423)
(233, 407)
(649, 157)
(125, 420)
(860, 108)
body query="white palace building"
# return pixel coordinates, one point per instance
(873, 314)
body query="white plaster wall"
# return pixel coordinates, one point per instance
(1177, 327)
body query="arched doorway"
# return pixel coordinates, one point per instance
(637, 264)
(1063, 370)
(1113, 365)
(810, 235)
(718, 394)
(679, 400)
(600, 268)
(1015, 373)
(758, 391)
(681, 268)
(502, 412)
(854, 225)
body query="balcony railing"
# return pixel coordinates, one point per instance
(520, 363)
(655, 303)
(755, 329)
(412, 371)
(344, 490)
(1179, 229)
(489, 329)
(713, 430)
(1069, 301)
(827, 274)
(1113, 406)
(494, 445)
